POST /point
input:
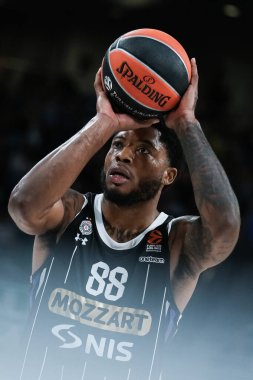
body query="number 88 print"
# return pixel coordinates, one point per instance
(113, 289)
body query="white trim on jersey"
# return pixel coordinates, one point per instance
(72, 256)
(187, 218)
(62, 372)
(112, 243)
(158, 330)
(43, 364)
(128, 375)
(145, 286)
(42, 278)
(85, 201)
(84, 370)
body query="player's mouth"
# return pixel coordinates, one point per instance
(118, 176)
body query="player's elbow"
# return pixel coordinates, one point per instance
(225, 223)
(20, 211)
(230, 225)
(225, 237)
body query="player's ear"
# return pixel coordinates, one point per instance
(169, 176)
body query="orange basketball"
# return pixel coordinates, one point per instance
(145, 72)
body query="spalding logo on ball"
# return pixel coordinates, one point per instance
(145, 73)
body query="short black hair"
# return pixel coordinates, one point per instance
(172, 144)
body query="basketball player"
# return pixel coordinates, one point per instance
(111, 275)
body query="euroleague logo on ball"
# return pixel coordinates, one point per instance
(108, 83)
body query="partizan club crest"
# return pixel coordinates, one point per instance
(86, 227)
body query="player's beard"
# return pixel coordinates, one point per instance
(146, 190)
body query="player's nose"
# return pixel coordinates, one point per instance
(126, 154)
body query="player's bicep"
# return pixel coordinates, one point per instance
(53, 217)
(184, 247)
(196, 247)
(203, 249)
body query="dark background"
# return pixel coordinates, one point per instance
(49, 54)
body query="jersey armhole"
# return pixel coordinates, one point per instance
(85, 201)
(186, 218)
(39, 270)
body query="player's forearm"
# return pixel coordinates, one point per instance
(47, 181)
(214, 196)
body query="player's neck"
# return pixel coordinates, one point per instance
(125, 223)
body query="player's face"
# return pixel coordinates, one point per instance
(136, 167)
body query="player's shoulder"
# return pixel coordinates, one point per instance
(73, 202)
(182, 221)
(178, 226)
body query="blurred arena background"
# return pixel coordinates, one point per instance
(49, 54)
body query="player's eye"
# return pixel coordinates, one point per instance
(143, 150)
(117, 145)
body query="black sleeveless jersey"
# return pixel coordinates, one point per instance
(102, 310)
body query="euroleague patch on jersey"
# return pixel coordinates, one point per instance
(153, 241)
(86, 227)
(155, 237)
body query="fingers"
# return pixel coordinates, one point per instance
(98, 81)
(194, 76)
(124, 118)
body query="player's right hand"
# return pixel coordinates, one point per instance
(120, 121)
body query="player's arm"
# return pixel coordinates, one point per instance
(209, 239)
(36, 203)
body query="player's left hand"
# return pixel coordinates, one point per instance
(187, 105)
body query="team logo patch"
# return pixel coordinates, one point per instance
(86, 227)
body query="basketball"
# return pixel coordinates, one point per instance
(145, 72)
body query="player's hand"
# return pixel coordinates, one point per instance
(121, 121)
(187, 105)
